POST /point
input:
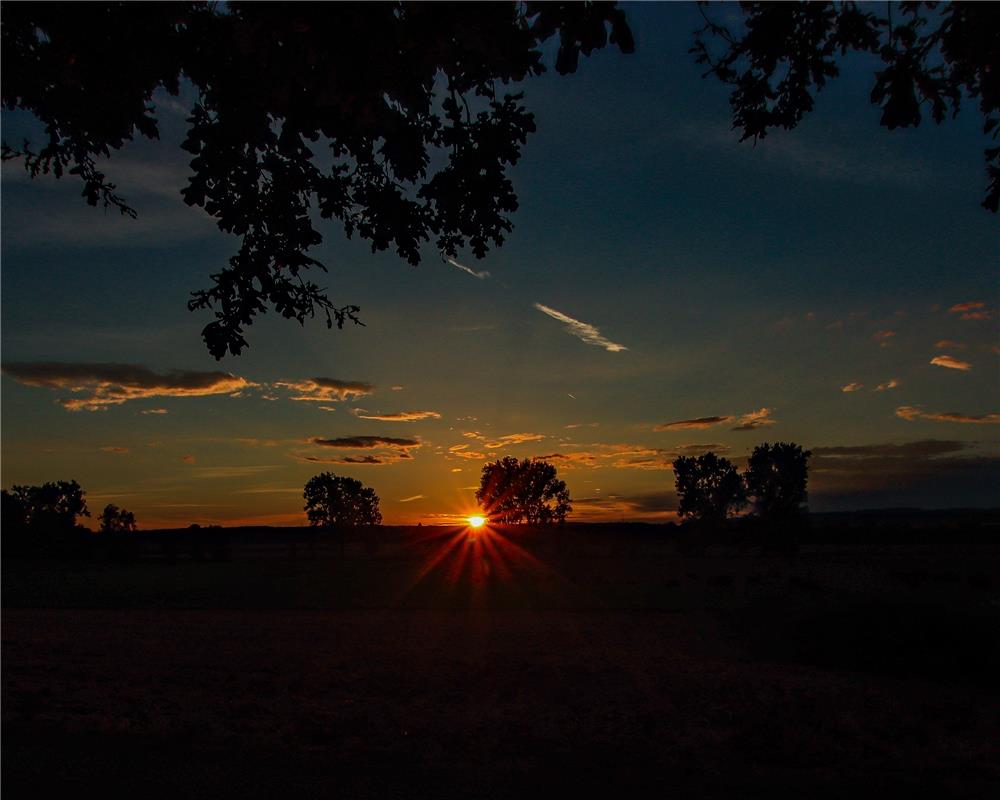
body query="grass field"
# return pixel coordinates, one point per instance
(449, 666)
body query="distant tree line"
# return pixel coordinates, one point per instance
(43, 520)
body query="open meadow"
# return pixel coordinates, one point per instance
(448, 663)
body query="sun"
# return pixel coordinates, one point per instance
(477, 522)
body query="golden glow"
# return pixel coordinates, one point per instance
(477, 522)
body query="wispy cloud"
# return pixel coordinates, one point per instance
(633, 507)
(698, 423)
(624, 456)
(463, 451)
(890, 384)
(235, 471)
(884, 338)
(253, 441)
(948, 344)
(411, 499)
(581, 330)
(366, 442)
(512, 439)
(326, 390)
(155, 411)
(951, 363)
(105, 385)
(389, 450)
(852, 387)
(399, 416)
(382, 458)
(972, 310)
(745, 422)
(118, 451)
(482, 275)
(911, 413)
(755, 419)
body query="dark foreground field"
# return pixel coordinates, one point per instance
(448, 666)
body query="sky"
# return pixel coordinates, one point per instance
(666, 290)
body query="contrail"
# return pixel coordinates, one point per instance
(582, 330)
(481, 275)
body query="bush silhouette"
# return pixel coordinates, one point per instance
(512, 491)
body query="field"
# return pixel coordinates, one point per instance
(447, 665)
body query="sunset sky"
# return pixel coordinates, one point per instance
(666, 290)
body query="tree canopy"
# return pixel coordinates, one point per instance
(708, 486)
(52, 506)
(389, 117)
(333, 501)
(42, 519)
(934, 56)
(392, 119)
(776, 479)
(512, 491)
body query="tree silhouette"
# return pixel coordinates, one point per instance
(389, 117)
(776, 479)
(709, 488)
(337, 502)
(51, 506)
(114, 520)
(512, 491)
(42, 518)
(933, 55)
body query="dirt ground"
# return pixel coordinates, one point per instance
(473, 674)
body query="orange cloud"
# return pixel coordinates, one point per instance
(108, 385)
(400, 416)
(973, 310)
(951, 363)
(911, 413)
(514, 438)
(366, 442)
(754, 420)
(119, 451)
(948, 344)
(892, 384)
(326, 389)
(852, 387)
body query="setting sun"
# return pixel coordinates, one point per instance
(477, 522)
